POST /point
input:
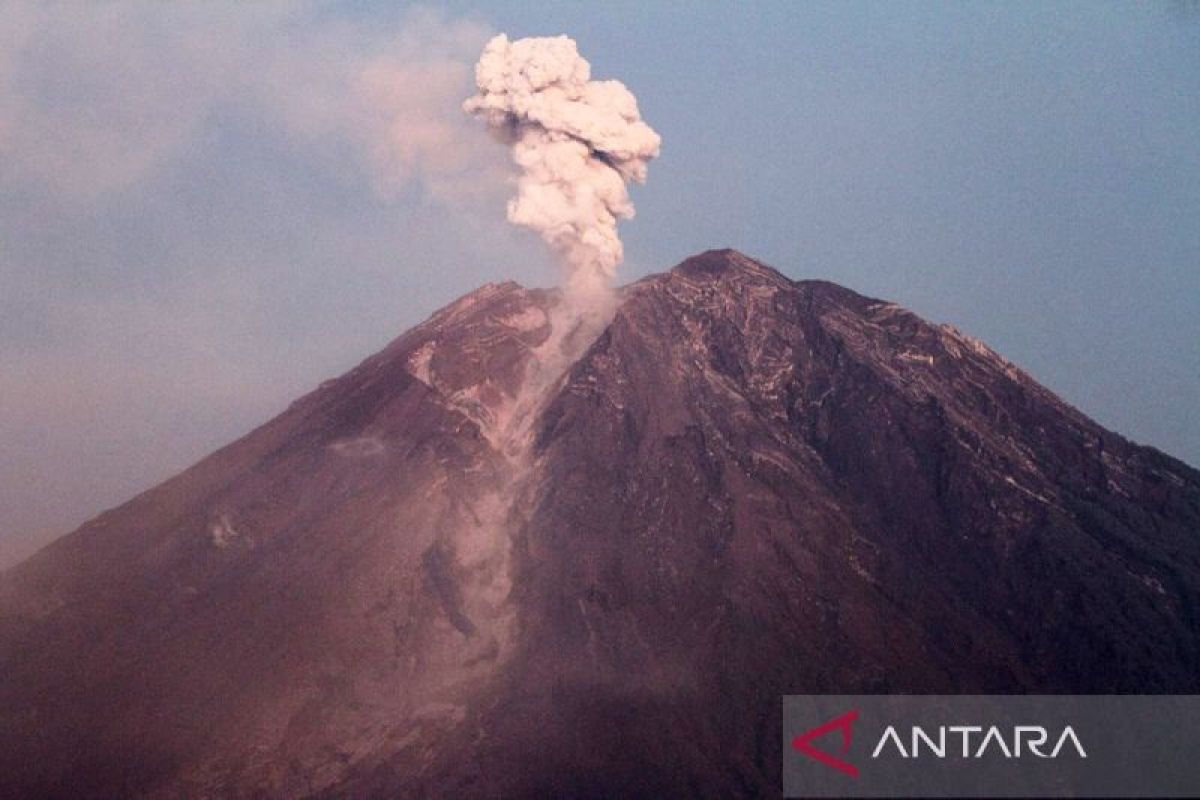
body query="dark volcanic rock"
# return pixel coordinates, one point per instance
(427, 579)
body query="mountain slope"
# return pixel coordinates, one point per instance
(451, 572)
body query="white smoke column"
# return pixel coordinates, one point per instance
(578, 143)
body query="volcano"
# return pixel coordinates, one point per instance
(503, 559)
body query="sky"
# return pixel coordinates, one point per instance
(208, 209)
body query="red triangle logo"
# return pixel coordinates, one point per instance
(844, 723)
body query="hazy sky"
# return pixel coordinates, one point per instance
(206, 210)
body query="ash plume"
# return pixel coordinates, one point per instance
(578, 143)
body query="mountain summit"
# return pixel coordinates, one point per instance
(497, 559)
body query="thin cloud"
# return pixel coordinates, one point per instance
(204, 210)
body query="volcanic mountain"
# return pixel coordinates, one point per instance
(504, 558)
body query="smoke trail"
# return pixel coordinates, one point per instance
(578, 143)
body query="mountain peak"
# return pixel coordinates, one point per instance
(725, 262)
(736, 274)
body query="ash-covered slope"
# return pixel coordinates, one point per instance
(447, 573)
(293, 603)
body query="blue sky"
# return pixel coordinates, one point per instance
(206, 209)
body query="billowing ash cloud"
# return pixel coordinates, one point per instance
(578, 143)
